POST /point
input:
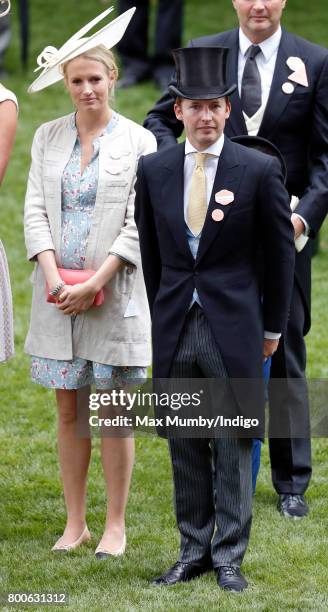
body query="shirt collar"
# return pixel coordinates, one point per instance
(215, 149)
(269, 46)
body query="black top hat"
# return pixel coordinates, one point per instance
(263, 145)
(201, 73)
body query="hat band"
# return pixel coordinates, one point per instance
(202, 92)
(217, 92)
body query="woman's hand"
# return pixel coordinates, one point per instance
(77, 298)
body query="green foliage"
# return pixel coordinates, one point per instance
(286, 561)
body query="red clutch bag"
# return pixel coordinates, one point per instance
(74, 277)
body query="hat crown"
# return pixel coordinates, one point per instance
(264, 146)
(201, 73)
(201, 66)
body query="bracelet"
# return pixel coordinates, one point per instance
(58, 287)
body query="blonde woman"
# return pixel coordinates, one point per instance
(80, 214)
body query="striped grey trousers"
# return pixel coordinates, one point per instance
(212, 478)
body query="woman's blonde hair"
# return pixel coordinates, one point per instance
(98, 54)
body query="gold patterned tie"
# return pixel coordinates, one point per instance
(197, 205)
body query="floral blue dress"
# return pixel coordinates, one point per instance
(78, 200)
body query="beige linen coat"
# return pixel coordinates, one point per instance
(103, 333)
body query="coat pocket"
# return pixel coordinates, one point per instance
(115, 192)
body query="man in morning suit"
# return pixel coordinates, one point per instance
(282, 95)
(202, 209)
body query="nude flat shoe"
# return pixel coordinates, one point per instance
(102, 553)
(82, 539)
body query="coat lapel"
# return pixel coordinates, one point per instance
(228, 176)
(57, 156)
(278, 100)
(172, 196)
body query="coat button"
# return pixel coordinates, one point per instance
(129, 270)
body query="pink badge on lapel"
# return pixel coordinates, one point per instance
(299, 75)
(217, 214)
(294, 63)
(224, 197)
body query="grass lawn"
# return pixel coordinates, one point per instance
(287, 561)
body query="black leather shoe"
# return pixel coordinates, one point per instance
(231, 579)
(292, 506)
(182, 572)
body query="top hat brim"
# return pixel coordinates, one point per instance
(264, 146)
(108, 36)
(200, 93)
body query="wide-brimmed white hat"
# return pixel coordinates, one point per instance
(51, 59)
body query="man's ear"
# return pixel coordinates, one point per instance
(178, 110)
(228, 108)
